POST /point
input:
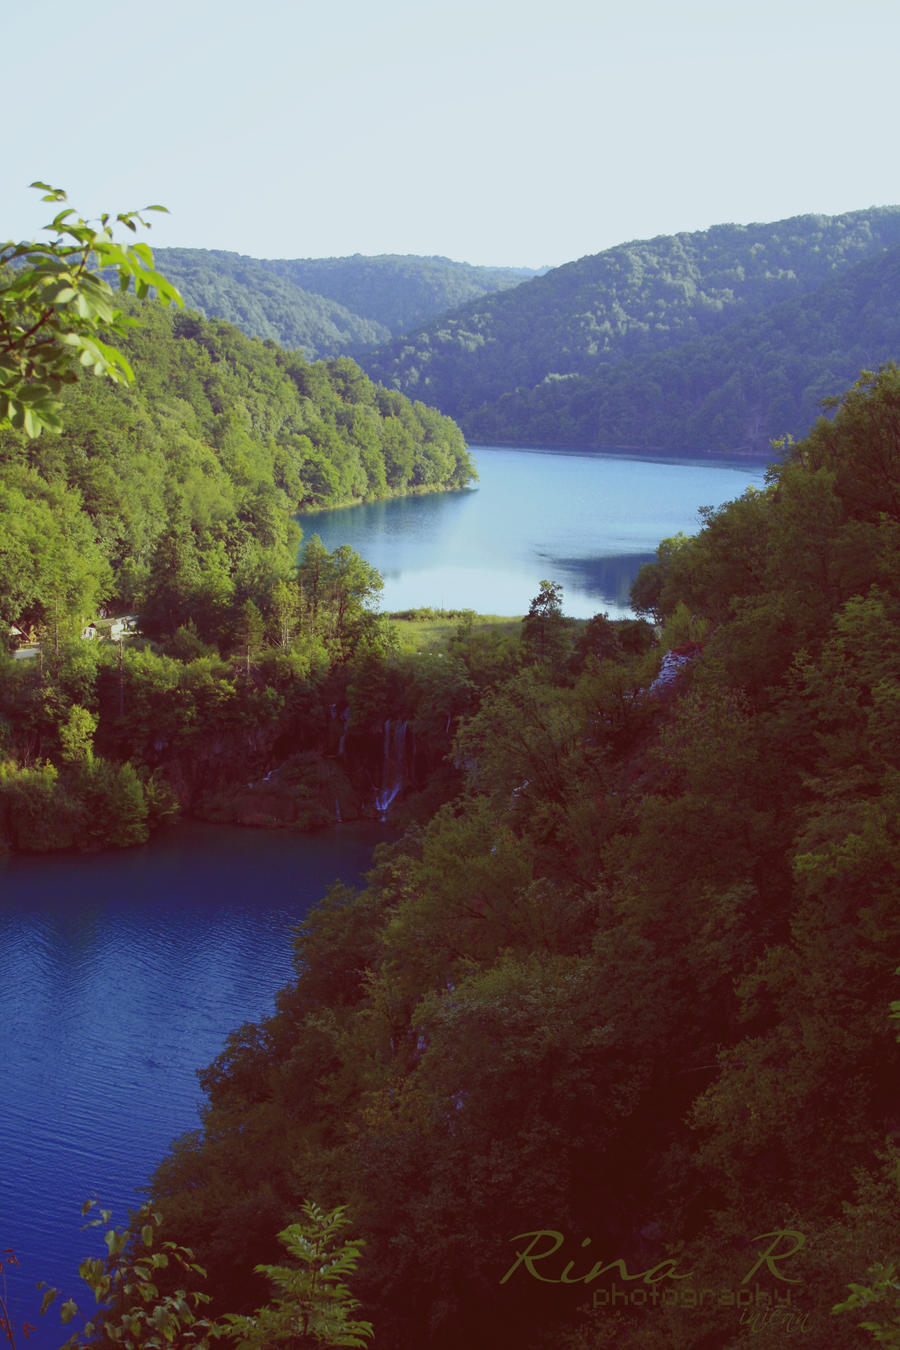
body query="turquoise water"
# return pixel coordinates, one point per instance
(583, 519)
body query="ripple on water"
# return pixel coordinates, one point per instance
(122, 975)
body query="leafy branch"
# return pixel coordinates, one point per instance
(57, 309)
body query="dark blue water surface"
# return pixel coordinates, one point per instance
(122, 974)
(584, 519)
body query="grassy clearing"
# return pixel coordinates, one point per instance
(429, 630)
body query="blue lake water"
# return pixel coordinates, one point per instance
(581, 518)
(122, 973)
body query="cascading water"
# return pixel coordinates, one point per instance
(393, 764)
(346, 720)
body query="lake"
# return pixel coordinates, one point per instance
(584, 519)
(123, 972)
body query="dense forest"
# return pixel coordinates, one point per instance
(173, 501)
(602, 1055)
(614, 1023)
(205, 458)
(715, 341)
(328, 306)
(759, 379)
(718, 341)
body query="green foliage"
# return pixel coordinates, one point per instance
(883, 1285)
(715, 342)
(173, 498)
(133, 1307)
(883, 1288)
(56, 311)
(76, 735)
(546, 634)
(327, 307)
(312, 1306)
(629, 985)
(336, 593)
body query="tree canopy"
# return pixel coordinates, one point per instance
(627, 996)
(716, 341)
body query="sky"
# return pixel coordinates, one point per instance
(498, 132)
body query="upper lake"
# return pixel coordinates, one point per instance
(581, 518)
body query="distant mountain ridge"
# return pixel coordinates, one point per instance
(401, 291)
(327, 307)
(535, 365)
(716, 341)
(760, 378)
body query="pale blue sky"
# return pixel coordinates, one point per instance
(489, 131)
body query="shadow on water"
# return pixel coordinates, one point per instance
(607, 580)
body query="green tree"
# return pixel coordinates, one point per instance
(76, 736)
(545, 631)
(249, 633)
(133, 1309)
(285, 613)
(313, 1306)
(355, 587)
(57, 309)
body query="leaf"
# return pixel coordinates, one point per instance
(49, 1296)
(68, 1310)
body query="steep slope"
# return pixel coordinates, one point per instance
(629, 302)
(399, 291)
(759, 379)
(174, 495)
(265, 304)
(623, 1007)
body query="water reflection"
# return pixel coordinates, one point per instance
(586, 520)
(607, 580)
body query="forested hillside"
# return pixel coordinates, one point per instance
(615, 1022)
(656, 343)
(603, 1055)
(173, 500)
(190, 477)
(327, 306)
(759, 379)
(400, 291)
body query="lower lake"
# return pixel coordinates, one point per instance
(122, 973)
(581, 518)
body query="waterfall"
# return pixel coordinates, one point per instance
(393, 764)
(346, 720)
